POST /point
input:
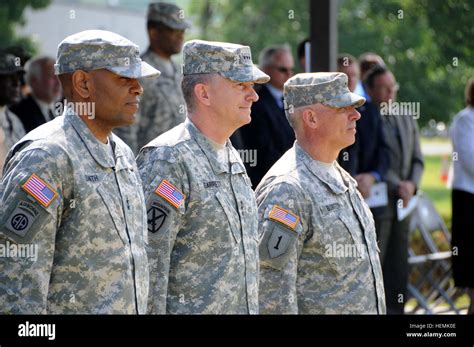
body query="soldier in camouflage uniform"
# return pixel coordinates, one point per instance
(318, 250)
(162, 104)
(71, 190)
(11, 128)
(202, 215)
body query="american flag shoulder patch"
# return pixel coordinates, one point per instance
(284, 216)
(170, 193)
(40, 190)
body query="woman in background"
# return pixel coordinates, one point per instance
(462, 136)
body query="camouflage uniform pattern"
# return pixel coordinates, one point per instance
(100, 49)
(12, 127)
(162, 105)
(327, 88)
(230, 60)
(168, 14)
(91, 236)
(203, 254)
(298, 275)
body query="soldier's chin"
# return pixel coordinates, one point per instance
(14, 97)
(246, 120)
(129, 119)
(246, 114)
(349, 140)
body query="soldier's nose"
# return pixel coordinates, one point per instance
(137, 87)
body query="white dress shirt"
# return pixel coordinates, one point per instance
(462, 136)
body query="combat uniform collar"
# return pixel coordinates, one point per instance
(218, 164)
(5, 122)
(95, 148)
(330, 181)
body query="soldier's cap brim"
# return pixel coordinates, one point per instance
(246, 74)
(138, 70)
(183, 25)
(17, 69)
(345, 100)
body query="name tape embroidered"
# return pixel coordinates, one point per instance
(40, 190)
(284, 216)
(170, 193)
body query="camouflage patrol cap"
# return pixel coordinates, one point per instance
(327, 88)
(231, 61)
(9, 64)
(100, 49)
(168, 14)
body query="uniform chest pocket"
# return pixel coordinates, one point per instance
(134, 204)
(231, 214)
(342, 246)
(113, 205)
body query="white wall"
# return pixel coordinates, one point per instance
(50, 26)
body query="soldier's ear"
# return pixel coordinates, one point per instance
(309, 118)
(201, 93)
(80, 81)
(153, 34)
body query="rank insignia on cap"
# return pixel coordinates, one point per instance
(170, 193)
(284, 216)
(40, 190)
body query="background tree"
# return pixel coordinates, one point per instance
(256, 22)
(427, 43)
(11, 15)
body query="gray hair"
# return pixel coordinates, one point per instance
(268, 53)
(187, 86)
(34, 67)
(294, 114)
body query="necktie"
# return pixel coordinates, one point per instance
(50, 115)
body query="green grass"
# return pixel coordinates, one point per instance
(432, 185)
(461, 302)
(435, 140)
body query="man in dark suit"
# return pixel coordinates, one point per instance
(268, 136)
(38, 107)
(367, 160)
(403, 178)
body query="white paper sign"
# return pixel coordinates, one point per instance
(403, 212)
(378, 195)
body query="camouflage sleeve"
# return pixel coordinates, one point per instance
(18, 131)
(164, 187)
(283, 221)
(31, 199)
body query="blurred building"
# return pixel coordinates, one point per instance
(61, 18)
